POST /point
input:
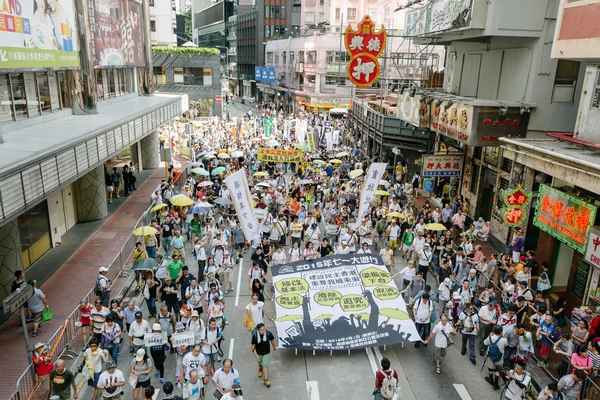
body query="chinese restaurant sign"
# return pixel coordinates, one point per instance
(455, 121)
(364, 47)
(592, 253)
(515, 199)
(442, 165)
(339, 302)
(275, 155)
(565, 217)
(33, 36)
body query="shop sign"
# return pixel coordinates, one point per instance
(450, 165)
(592, 253)
(441, 15)
(489, 125)
(565, 217)
(276, 155)
(412, 110)
(25, 42)
(258, 73)
(513, 216)
(455, 121)
(515, 199)
(364, 47)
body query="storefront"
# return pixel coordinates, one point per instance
(591, 258)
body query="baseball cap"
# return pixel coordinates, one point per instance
(156, 327)
(102, 269)
(138, 314)
(111, 364)
(139, 356)
(237, 390)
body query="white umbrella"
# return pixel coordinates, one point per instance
(204, 204)
(207, 156)
(223, 155)
(237, 154)
(265, 184)
(189, 44)
(273, 143)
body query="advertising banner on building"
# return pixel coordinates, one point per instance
(441, 15)
(455, 121)
(240, 195)
(258, 74)
(364, 46)
(275, 155)
(592, 253)
(374, 175)
(38, 34)
(340, 302)
(448, 165)
(116, 29)
(412, 110)
(565, 217)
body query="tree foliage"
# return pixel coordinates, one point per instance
(187, 50)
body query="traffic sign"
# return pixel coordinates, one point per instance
(302, 103)
(17, 299)
(219, 99)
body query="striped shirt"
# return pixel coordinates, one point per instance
(98, 318)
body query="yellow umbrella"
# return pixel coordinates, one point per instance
(182, 201)
(261, 173)
(382, 193)
(395, 214)
(342, 154)
(300, 146)
(158, 207)
(435, 227)
(394, 313)
(356, 173)
(145, 231)
(285, 318)
(335, 161)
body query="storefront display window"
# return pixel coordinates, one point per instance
(34, 233)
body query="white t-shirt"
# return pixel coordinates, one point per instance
(295, 254)
(255, 274)
(191, 362)
(257, 312)
(279, 258)
(107, 378)
(386, 256)
(474, 318)
(225, 380)
(210, 336)
(423, 310)
(394, 231)
(191, 391)
(440, 340)
(226, 396)
(484, 312)
(197, 293)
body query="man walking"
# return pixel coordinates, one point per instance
(386, 382)
(488, 317)
(441, 331)
(210, 339)
(469, 326)
(37, 304)
(422, 311)
(496, 344)
(62, 381)
(261, 338)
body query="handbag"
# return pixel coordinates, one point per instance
(544, 286)
(47, 315)
(146, 291)
(133, 380)
(248, 320)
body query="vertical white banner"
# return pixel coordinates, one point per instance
(372, 179)
(240, 195)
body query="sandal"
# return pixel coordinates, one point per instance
(438, 370)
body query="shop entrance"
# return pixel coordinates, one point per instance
(488, 195)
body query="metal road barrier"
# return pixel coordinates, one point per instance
(69, 337)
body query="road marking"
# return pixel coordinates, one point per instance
(378, 355)
(462, 391)
(372, 361)
(312, 387)
(239, 283)
(231, 342)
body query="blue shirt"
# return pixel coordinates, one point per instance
(547, 328)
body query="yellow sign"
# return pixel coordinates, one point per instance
(276, 155)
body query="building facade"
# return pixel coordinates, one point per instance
(64, 113)
(163, 23)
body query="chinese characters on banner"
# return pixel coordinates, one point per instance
(339, 303)
(268, 127)
(364, 47)
(240, 195)
(515, 199)
(592, 253)
(183, 339)
(276, 155)
(565, 217)
(155, 339)
(372, 179)
(442, 165)
(311, 138)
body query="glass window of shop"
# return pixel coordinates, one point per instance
(34, 233)
(30, 94)
(198, 76)
(114, 82)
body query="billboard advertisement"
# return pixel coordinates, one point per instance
(258, 73)
(38, 34)
(116, 32)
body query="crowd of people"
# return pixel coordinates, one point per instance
(306, 210)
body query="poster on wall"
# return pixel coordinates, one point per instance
(116, 29)
(339, 302)
(38, 34)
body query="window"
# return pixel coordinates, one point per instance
(351, 14)
(283, 57)
(491, 155)
(267, 11)
(309, 18)
(198, 76)
(507, 164)
(152, 26)
(503, 186)
(17, 85)
(270, 57)
(337, 14)
(178, 74)
(160, 75)
(372, 12)
(63, 87)
(565, 81)
(301, 56)
(276, 58)
(321, 16)
(596, 98)
(477, 153)
(335, 80)
(282, 77)
(337, 56)
(6, 113)
(311, 79)
(44, 91)
(312, 57)
(474, 177)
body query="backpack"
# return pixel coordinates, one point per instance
(98, 288)
(388, 385)
(556, 334)
(468, 325)
(115, 178)
(494, 351)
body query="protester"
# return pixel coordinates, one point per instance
(261, 337)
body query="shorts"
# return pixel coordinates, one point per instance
(394, 243)
(210, 357)
(239, 246)
(406, 247)
(497, 365)
(37, 317)
(143, 384)
(94, 383)
(439, 353)
(546, 293)
(263, 360)
(110, 188)
(544, 350)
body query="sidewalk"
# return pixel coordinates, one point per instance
(76, 276)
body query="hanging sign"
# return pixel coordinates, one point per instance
(364, 46)
(240, 195)
(434, 165)
(515, 211)
(565, 217)
(276, 155)
(374, 175)
(339, 302)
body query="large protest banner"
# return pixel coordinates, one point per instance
(370, 185)
(339, 302)
(240, 195)
(276, 155)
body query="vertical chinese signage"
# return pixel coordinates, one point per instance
(364, 47)
(38, 34)
(116, 29)
(268, 127)
(515, 200)
(258, 74)
(442, 165)
(565, 217)
(240, 194)
(592, 253)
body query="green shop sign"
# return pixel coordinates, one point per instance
(14, 58)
